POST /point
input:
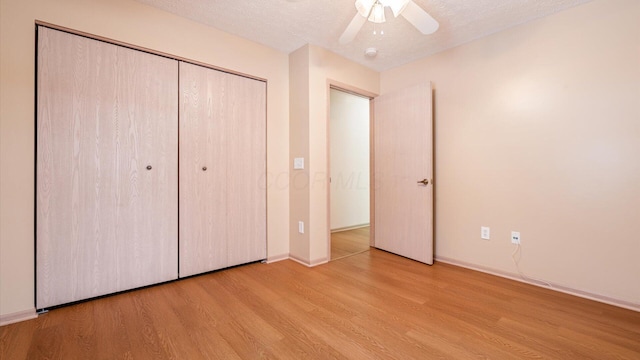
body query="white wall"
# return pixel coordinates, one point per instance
(537, 130)
(349, 159)
(138, 24)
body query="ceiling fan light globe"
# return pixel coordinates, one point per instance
(364, 7)
(377, 14)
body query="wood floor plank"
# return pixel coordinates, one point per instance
(373, 305)
(112, 324)
(349, 242)
(16, 344)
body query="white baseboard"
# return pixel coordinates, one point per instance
(308, 263)
(17, 317)
(317, 262)
(277, 258)
(545, 284)
(347, 228)
(300, 261)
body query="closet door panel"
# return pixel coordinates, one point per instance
(147, 91)
(104, 222)
(223, 209)
(203, 193)
(70, 200)
(246, 205)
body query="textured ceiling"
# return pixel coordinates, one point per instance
(287, 25)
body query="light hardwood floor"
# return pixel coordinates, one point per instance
(349, 242)
(373, 305)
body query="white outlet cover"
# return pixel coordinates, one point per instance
(485, 232)
(515, 237)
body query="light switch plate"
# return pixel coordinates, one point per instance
(298, 163)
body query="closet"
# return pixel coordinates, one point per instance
(222, 168)
(145, 172)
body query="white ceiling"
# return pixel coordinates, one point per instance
(287, 25)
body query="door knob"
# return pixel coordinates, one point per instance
(149, 167)
(204, 168)
(424, 182)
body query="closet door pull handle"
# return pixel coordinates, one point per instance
(204, 168)
(149, 167)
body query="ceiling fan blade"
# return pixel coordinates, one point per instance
(352, 29)
(420, 19)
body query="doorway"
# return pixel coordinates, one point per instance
(349, 168)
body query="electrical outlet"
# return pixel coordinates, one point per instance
(485, 232)
(515, 237)
(301, 227)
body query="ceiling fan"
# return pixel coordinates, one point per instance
(373, 10)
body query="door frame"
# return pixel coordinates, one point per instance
(336, 85)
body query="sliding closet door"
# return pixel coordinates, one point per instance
(106, 168)
(222, 170)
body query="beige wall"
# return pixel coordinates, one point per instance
(325, 68)
(538, 131)
(313, 70)
(138, 24)
(299, 148)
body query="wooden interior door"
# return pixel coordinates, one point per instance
(107, 205)
(403, 148)
(222, 169)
